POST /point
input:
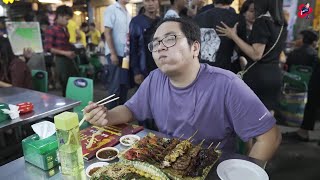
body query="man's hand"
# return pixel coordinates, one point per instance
(138, 79)
(95, 114)
(114, 59)
(27, 53)
(70, 54)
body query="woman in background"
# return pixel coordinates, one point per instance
(264, 77)
(13, 71)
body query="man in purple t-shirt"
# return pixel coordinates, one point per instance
(184, 96)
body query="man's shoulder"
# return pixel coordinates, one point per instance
(138, 19)
(217, 74)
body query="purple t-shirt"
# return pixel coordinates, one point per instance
(218, 104)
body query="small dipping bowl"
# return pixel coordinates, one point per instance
(107, 154)
(95, 165)
(129, 140)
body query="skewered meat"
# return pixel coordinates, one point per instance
(182, 162)
(205, 157)
(171, 146)
(178, 151)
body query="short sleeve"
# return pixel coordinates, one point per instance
(139, 103)
(109, 17)
(260, 32)
(246, 113)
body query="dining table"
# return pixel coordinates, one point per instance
(44, 105)
(20, 169)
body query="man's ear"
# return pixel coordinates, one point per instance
(196, 48)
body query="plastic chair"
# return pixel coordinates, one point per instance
(303, 71)
(80, 89)
(40, 80)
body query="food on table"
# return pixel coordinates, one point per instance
(178, 158)
(129, 140)
(129, 170)
(93, 170)
(184, 161)
(107, 154)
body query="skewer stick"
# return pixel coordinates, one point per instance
(202, 142)
(210, 145)
(193, 135)
(217, 146)
(181, 136)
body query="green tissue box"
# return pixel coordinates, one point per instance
(3, 116)
(41, 153)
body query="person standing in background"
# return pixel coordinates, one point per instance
(141, 61)
(176, 7)
(267, 40)
(73, 31)
(57, 43)
(208, 21)
(116, 23)
(95, 34)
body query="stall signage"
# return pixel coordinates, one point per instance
(304, 11)
(8, 1)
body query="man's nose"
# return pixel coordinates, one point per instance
(162, 47)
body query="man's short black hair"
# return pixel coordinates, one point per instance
(84, 25)
(188, 27)
(93, 24)
(64, 11)
(309, 36)
(171, 2)
(224, 2)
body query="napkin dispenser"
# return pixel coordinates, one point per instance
(3, 116)
(41, 152)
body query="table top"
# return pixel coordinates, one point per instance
(19, 169)
(44, 105)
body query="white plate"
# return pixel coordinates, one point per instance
(237, 169)
(94, 165)
(106, 148)
(130, 136)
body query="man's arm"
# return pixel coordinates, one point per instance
(4, 84)
(266, 144)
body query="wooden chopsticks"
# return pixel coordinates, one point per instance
(100, 104)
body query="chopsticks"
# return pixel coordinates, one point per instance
(100, 103)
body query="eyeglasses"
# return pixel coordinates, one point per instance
(167, 41)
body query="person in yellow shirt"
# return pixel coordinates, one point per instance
(72, 29)
(84, 29)
(94, 34)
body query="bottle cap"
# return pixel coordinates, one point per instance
(66, 120)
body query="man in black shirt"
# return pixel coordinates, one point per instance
(305, 55)
(223, 46)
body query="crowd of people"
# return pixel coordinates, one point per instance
(185, 65)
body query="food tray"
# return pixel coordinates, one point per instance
(138, 165)
(172, 173)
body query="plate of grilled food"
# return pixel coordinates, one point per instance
(129, 170)
(179, 159)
